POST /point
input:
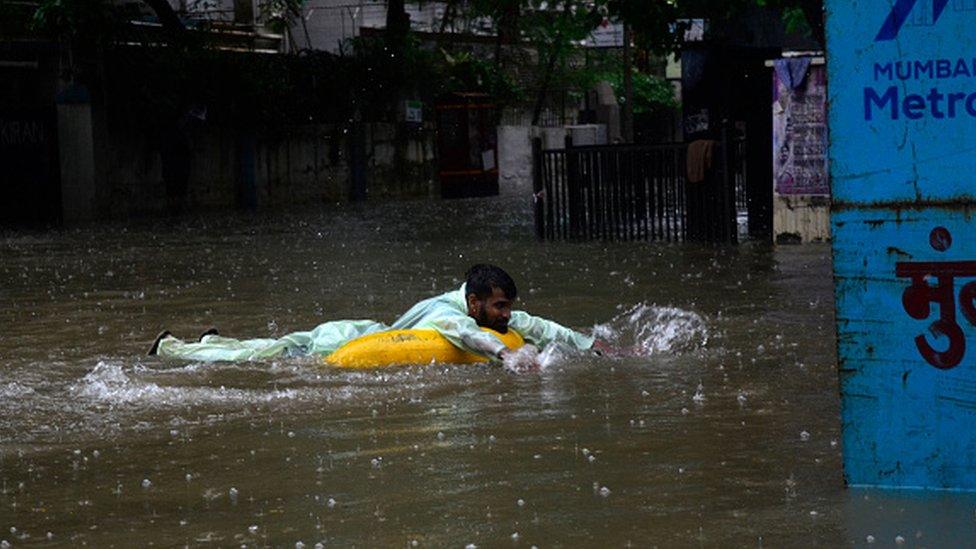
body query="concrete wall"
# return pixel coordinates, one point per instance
(117, 173)
(801, 218)
(514, 160)
(801, 194)
(78, 192)
(515, 151)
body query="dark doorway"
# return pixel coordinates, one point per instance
(467, 145)
(728, 89)
(30, 187)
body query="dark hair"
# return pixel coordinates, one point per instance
(483, 278)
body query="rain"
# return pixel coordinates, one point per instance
(687, 435)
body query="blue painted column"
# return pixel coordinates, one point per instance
(902, 123)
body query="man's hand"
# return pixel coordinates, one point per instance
(602, 348)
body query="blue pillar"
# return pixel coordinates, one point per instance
(902, 125)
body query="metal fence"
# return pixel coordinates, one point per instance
(632, 192)
(615, 192)
(741, 174)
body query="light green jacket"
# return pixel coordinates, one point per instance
(446, 313)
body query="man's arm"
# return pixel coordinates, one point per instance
(443, 314)
(462, 331)
(541, 332)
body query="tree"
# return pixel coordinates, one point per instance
(657, 25)
(397, 22)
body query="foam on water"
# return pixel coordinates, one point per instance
(648, 330)
(14, 390)
(109, 383)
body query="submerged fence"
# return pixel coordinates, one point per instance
(614, 192)
(632, 192)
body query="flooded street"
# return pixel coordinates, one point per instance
(722, 427)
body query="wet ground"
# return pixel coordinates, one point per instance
(720, 429)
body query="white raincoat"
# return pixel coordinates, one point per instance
(446, 313)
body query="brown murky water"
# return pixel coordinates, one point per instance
(722, 430)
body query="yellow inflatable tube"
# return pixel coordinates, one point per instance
(416, 346)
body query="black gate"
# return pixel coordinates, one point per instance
(631, 192)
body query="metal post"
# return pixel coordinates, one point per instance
(537, 195)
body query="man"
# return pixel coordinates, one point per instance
(485, 300)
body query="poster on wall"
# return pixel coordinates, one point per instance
(800, 128)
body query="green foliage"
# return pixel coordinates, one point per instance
(78, 21)
(651, 93)
(467, 72)
(796, 21)
(654, 22)
(280, 14)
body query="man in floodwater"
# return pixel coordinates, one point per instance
(485, 300)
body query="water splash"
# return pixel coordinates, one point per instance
(109, 383)
(525, 359)
(14, 390)
(648, 330)
(550, 355)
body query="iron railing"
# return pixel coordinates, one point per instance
(632, 192)
(615, 192)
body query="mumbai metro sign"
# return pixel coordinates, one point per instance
(902, 122)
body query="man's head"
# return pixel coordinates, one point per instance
(490, 292)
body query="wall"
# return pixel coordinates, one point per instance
(228, 169)
(798, 219)
(904, 241)
(515, 151)
(801, 192)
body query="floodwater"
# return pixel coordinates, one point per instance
(721, 428)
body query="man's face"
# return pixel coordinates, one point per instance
(493, 312)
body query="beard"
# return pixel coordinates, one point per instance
(500, 325)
